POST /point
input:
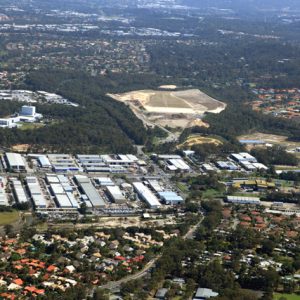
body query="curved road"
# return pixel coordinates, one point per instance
(115, 284)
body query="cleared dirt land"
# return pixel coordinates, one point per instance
(271, 139)
(169, 106)
(199, 140)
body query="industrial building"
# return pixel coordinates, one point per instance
(104, 181)
(167, 156)
(207, 168)
(35, 191)
(91, 163)
(15, 162)
(18, 191)
(90, 191)
(62, 191)
(155, 186)
(116, 194)
(44, 162)
(170, 198)
(146, 195)
(243, 157)
(179, 164)
(227, 165)
(63, 163)
(3, 196)
(248, 162)
(243, 200)
(120, 159)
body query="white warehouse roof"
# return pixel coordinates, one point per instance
(15, 159)
(146, 195)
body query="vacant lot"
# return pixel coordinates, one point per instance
(271, 139)
(176, 109)
(188, 101)
(198, 140)
(165, 99)
(8, 217)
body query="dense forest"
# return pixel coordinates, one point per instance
(99, 124)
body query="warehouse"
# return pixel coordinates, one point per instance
(207, 168)
(35, 192)
(3, 196)
(155, 186)
(168, 156)
(89, 158)
(104, 181)
(91, 163)
(170, 198)
(62, 201)
(146, 195)
(57, 189)
(120, 160)
(44, 162)
(227, 165)
(63, 163)
(72, 200)
(19, 192)
(115, 194)
(243, 200)
(179, 164)
(15, 162)
(247, 165)
(243, 157)
(63, 179)
(62, 191)
(90, 191)
(52, 178)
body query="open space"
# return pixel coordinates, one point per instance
(199, 140)
(188, 101)
(170, 108)
(8, 217)
(271, 139)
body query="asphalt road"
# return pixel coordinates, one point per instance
(115, 284)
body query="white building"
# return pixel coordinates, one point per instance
(146, 195)
(35, 192)
(116, 194)
(3, 195)
(15, 162)
(28, 111)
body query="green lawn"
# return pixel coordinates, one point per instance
(211, 193)
(8, 217)
(287, 296)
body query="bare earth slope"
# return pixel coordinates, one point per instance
(178, 108)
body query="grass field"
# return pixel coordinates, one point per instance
(277, 296)
(198, 140)
(211, 193)
(30, 126)
(8, 217)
